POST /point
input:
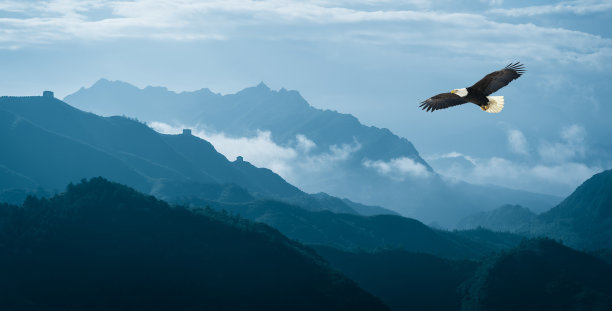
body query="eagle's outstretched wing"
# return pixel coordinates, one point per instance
(498, 79)
(442, 101)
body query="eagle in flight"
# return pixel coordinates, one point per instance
(479, 92)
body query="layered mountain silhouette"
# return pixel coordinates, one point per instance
(355, 232)
(583, 220)
(375, 167)
(538, 274)
(404, 280)
(541, 274)
(508, 218)
(53, 143)
(104, 246)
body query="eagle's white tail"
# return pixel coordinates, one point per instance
(496, 104)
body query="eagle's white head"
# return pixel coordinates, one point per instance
(461, 92)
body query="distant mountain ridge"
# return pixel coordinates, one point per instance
(583, 220)
(379, 167)
(284, 113)
(53, 144)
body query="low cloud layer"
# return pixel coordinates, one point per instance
(295, 162)
(557, 168)
(398, 169)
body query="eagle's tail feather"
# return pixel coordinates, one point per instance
(496, 104)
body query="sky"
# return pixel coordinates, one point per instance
(375, 59)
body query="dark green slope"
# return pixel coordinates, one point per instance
(404, 280)
(584, 219)
(103, 246)
(541, 274)
(352, 232)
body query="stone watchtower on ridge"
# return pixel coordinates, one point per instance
(48, 94)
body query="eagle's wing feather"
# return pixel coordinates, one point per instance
(498, 79)
(442, 101)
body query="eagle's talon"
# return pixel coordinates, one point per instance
(484, 108)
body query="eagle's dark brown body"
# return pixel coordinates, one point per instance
(476, 97)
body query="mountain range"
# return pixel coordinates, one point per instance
(53, 143)
(241, 237)
(583, 220)
(103, 246)
(370, 165)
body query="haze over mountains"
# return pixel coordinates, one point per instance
(303, 144)
(127, 237)
(583, 220)
(53, 143)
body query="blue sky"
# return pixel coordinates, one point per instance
(375, 59)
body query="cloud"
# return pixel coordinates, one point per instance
(517, 142)
(45, 22)
(571, 147)
(556, 169)
(304, 144)
(557, 178)
(295, 163)
(398, 168)
(581, 7)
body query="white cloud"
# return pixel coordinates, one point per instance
(517, 142)
(190, 20)
(580, 7)
(557, 170)
(571, 147)
(304, 144)
(260, 150)
(493, 2)
(557, 178)
(399, 168)
(294, 163)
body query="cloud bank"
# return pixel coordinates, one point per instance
(416, 24)
(295, 162)
(557, 168)
(580, 7)
(398, 169)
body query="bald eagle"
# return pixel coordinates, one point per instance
(479, 92)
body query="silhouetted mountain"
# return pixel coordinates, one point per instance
(404, 280)
(67, 145)
(584, 219)
(540, 275)
(284, 113)
(368, 210)
(104, 246)
(53, 144)
(364, 164)
(353, 232)
(509, 218)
